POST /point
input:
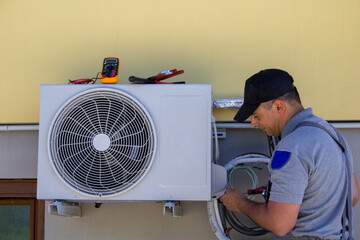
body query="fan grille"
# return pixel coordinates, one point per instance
(102, 142)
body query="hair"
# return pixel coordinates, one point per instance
(292, 97)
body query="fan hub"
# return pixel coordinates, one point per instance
(101, 142)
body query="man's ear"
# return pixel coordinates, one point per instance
(279, 106)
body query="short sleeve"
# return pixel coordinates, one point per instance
(289, 177)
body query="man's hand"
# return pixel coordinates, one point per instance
(233, 200)
(276, 217)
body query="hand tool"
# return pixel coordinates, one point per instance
(158, 78)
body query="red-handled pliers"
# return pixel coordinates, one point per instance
(166, 74)
(158, 78)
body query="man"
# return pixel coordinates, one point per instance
(307, 170)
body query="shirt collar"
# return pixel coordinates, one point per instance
(295, 120)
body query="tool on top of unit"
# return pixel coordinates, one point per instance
(109, 73)
(157, 79)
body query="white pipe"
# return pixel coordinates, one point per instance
(216, 140)
(214, 221)
(217, 213)
(346, 125)
(247, 158)
(22, 127)
(339, 125)
(233, 125)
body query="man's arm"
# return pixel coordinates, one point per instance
(356, 191)
(276, 217)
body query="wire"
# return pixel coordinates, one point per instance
(85, 80)
(242, 228)
(246, 169)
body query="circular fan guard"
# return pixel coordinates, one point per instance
(102, 142)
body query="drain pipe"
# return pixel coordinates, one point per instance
(214, 219)
(212, 206)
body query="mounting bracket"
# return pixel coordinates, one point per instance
(172, 208)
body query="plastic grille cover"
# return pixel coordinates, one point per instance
(102, 142)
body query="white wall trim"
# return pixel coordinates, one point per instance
(22, 127)
(340, 125)
(35, 127)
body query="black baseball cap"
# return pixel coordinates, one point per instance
(263, 86)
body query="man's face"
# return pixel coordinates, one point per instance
(266, 120)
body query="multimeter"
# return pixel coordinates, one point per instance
(110, 70)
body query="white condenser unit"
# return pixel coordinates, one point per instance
(130, 142)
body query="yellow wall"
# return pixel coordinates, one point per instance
(221, 42)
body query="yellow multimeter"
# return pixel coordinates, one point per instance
(110, 70)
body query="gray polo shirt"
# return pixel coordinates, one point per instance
(308, 168)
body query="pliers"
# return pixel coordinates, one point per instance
(158, 78)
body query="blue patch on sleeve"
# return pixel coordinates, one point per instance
(280, 159)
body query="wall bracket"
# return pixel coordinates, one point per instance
(172, 208)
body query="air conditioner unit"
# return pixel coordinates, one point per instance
(125, 142)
